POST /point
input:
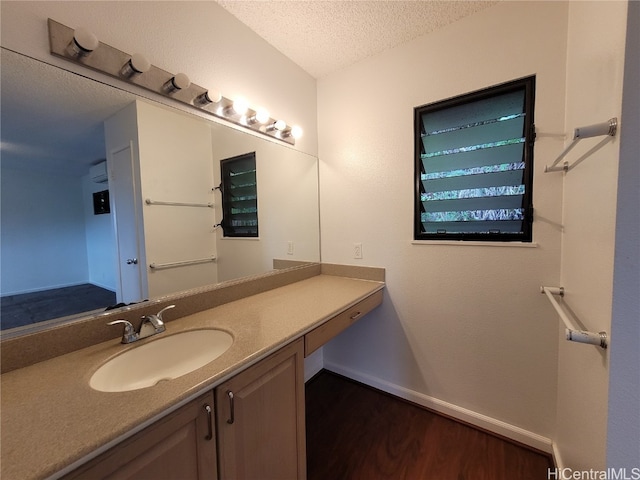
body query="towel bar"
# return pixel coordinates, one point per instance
(156, 266)
(573, 333)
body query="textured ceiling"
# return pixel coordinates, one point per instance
(323, 36)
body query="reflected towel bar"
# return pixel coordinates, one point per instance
(610, 127)
(157, 266)
(148, 201)
(573, 333)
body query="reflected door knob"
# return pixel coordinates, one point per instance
(132, 261)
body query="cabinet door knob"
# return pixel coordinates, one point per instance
(231, 408)
(209, 422)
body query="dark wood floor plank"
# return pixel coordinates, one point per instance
(355, 432)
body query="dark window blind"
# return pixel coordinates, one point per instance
(474, 166)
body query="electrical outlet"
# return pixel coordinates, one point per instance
(357, 250)
(290, 248)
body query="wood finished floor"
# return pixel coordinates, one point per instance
(357, 433)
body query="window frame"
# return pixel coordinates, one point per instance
(526, 235)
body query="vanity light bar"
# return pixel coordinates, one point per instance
(66, 43)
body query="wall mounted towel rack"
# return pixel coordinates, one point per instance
(158, 266)
(148, 201)
(609, 127)
(573, 333)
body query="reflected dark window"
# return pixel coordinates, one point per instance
(240, 196)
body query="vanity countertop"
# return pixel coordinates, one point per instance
(51, 418)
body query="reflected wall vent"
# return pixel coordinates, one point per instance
(98, 173)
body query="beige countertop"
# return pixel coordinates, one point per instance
(51, 418)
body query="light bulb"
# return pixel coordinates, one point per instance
(240, 106)
(262, 116)
(178, 82)
(280, 125)
(215, 96)
(211, 96)
(83, 43)
(296, 131)
(136, 65)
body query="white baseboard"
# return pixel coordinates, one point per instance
(111, 288)
(557, 458)
(479, 420)
(41, 289)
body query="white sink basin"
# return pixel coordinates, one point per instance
(163, 359)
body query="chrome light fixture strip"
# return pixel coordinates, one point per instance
(110, 60)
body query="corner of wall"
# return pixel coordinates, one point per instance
(595, 60)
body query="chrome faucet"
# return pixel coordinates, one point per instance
(129, 334)
(151, 325)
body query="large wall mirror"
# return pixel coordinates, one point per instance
(61, 256)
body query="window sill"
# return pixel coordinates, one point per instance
(241, 238)
(476, 243)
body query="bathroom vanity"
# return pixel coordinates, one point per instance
(240, 414)
(255, 424)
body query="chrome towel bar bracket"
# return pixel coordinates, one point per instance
(573, 333)
(610, 128)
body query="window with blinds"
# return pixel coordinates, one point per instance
(474, 159)
(239, 196)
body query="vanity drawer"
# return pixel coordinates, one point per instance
(325, 332)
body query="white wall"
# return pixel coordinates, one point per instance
(32, 204)
(198, 38)
(172, 162)
(623, 439)
(595, 62)
(461, 326)
(176, 165)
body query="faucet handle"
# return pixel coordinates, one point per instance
(152, 324)
(129, 334)
(159, 314)
(127, 325)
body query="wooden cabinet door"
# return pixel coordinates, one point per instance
(179, 446)
(260, 419)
